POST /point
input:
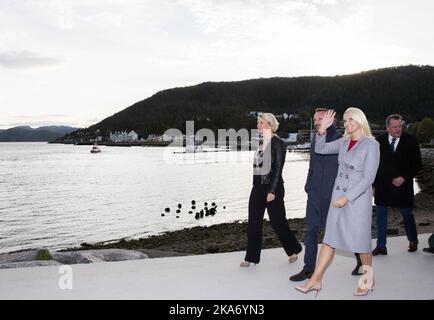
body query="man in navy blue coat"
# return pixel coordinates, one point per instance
(319, 186)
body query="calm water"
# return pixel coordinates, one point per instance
(58, 196)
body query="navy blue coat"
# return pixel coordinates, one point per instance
(323, 169)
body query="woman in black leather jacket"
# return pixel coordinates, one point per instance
(268, 193)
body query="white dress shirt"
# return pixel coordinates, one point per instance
(396, 142)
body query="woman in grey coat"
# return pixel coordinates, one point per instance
(349, 219)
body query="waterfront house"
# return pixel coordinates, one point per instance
(123, 136)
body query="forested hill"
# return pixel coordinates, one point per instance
(28, 134)
(408, 90)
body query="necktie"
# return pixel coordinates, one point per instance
(392, 145)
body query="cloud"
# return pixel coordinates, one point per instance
(26, 60)
(35, 124)
(43, 116)
(45, 120)
(259, 36)
(325, 2)
(72, 14)
(248, 17)
(149, 45)
(290, 37)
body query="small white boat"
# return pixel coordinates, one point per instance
(193, 148)
(95, 149)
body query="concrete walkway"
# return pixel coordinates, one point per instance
(399, 275)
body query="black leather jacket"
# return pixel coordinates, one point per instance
(278, 153)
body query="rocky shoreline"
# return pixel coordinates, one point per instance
(225, 237)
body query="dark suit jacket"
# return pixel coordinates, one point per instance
(406, 161)
(273, 162)
(320, 180)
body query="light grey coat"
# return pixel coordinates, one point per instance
(349, 227)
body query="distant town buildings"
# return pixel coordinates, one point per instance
(284, 116)
(123, 136)
(167, 137)
(253, 114)
(292, 137)
(154, 137)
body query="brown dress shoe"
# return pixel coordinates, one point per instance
(412, 247)
(302, 275)
(379, 250)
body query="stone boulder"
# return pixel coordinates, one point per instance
(27, 264)
(92, 256)
(20, 256)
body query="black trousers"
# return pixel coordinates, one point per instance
(276, 212)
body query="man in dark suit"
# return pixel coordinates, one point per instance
(319, 186)
(400, 160)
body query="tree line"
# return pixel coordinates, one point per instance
(407, 90)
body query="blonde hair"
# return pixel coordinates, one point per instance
(360, 118)
(271, 120)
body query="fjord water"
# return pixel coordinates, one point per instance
(58, 196)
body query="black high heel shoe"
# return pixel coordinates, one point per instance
(356, 271)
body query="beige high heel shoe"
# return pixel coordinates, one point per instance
(293, 258)
(366, 290)
(245, 264)
(316, 288)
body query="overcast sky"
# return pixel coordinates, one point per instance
(76, 62)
